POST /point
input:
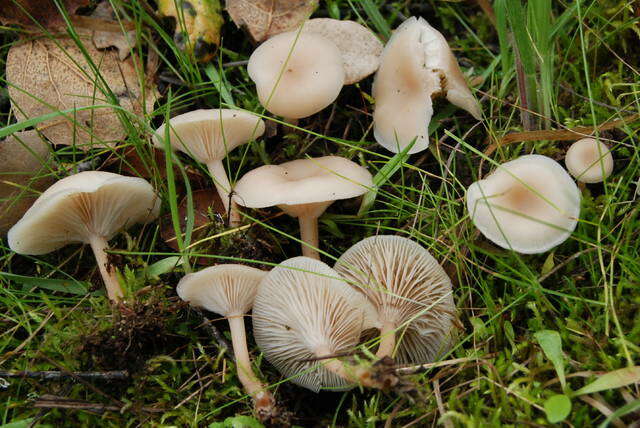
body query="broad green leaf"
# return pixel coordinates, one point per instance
(551, 345)
(221, 85)
(557, 408)
(65, 285)
(548, 264)
(163, 266)
(612, 380)
(238, 422)
(22, 423)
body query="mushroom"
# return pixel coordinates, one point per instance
(304, 189)
(410, 292)
(529, 204)
(589, 160)
(208, 136)
(417, 64)
(89, 207)
(296, 74)
(304, 316)
(230, 290)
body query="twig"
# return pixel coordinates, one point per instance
(423, 367)
(58, 375)
(54, 402)
(218, 337)
(235, 63)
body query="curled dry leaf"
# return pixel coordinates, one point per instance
(23, 168)
(107, 37)
(266, 18)
(198, 25)
(48, 75)
(36, 13)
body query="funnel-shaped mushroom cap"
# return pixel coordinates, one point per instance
(589, 160)
(208, 135)
(408, 289)
(302, 181)
(416, 65)
(228, 290)
(296, 74)
(303, 311)
(90, 203)
(529, 204)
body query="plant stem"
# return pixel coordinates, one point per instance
(387, 340)
(223, 186)
(309, 236)
(98, 245)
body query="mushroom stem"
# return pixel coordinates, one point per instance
(98, 245)
(387, 340)
(357, 374)
(263, 399)
(223, 186)
(309, 236)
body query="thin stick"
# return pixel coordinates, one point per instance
(54, 402)
(309, 236)
(57, 375)
(99, 245)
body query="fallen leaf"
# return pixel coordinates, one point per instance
(198, 25)
(23, 168)
(266, 18)
(49, 75)
(36, 13)
(102, 39)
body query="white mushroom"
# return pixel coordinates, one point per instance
(90, 208)
(208, 136)
(296, 74)
(410, 291)
(417, 64)
(589, 160)
(529, 204)
(230, 290)
(304, 189)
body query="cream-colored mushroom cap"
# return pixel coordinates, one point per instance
(296, 74)
(409, 290)
(416, 65)
(529, 204)
(360, 47)
(303, 181)
(227, 290)
(589, 160)
(90, 203)
(208, 135)
(302, 311)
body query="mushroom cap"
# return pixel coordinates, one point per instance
(228, 290)
(303, 307)
(305, 69)
(416, 65)
(208, 135)
(80, 206)
(360, 47)
(408, 288)
(589, 160)
(529, 204)
(302, 181)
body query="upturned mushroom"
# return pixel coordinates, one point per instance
(89, 208)
(589, 160)
(529, 204)
(304, 317)
(208, 136)
(304, 189)
(416, 65)
(230, 290)
(296, 74)
(410, 292)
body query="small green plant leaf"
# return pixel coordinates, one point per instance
(551, 345)
(238, 422)
(557, 408)
(612, 380)
(163, 266)
(64, 285)
(548, 264)
(624, 410)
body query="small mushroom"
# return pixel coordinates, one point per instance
(304, 189)
(304, 316)
(230, 290)
(589, 160)
(296, 74)
(417, 64)
(208, 136)
(90, 208)
(529, 204)
(410, 292)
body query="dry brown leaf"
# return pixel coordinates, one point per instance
(47, 75)
(102, 38)
(266, 18)
(23, 167)
(35, 13)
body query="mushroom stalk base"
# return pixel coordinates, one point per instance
(387, 340)
(355, 374)
(263, 399)
(98, 245)
(223, 186)
(309, 236)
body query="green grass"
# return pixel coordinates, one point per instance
(577, 64)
